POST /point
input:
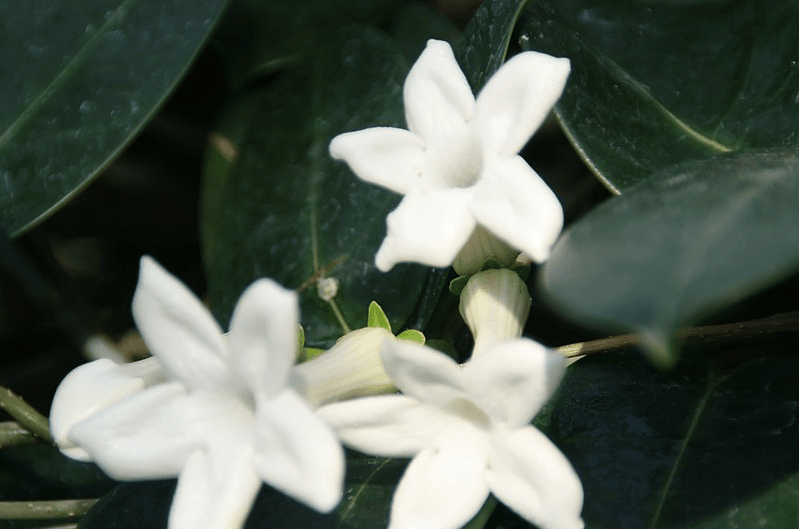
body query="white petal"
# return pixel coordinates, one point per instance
(511, 381)
(215, 490)
(262, 342)
(517, 99)
(297, 453)
(428, 227)
(423, 373)
(150, 434)
(515, 204)
(389, 157)
(437, 96)
(92, 387)
(386, 425)
(442, 488)
(530, 475)
(178, 329)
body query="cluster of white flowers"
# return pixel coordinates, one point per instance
(226, 412)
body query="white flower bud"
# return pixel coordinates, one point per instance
(495, 304)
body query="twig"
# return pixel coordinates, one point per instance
(12, 434)
(44, 510)
(784, 324)
(27, 416)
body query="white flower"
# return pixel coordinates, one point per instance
(213, 409)
(457, 163)
(469, 433)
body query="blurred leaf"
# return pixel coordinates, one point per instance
(283, 208)
(484, 44)
(415, 23)
(692, 448)
(79, 80)
(41, 472)
(258, 37)
(657, 83)
(686, 241)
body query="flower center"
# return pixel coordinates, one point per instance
(456, 160)
(467, 410)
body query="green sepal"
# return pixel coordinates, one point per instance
(377, 318)
(412, 335)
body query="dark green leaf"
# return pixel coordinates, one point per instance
(258, 37)
(284, 209)
(686, 241)
(695, 447)
(657, 83)
(415, 23)
(484, 44)
(79, 80)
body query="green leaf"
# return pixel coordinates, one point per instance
(657, 83)
(80, 79)
(257, 38)
(484, 44)
(696, 447)
(689, 240)
(377, 318)
(283, 208)
(415, 23)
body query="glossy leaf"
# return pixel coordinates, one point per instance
(258, 38)
(696, 447)
(687, 241)
(484, 43)
(657, 83)
(285, 209)
(416, 22)
(79, 80)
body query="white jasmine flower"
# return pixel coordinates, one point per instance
(457, 163)
(468, 431)
(212, 409)
(495, 304)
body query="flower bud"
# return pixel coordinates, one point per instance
(495, 304)
(351, 368)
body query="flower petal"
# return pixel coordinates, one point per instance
(428, 227)
(215, 490)
(92, 387)
(442, 488)
(151, 434)
(178, 329)
(423, 373)
(517, 99)
(515, 204)
(437, 96)
(389, 157)
(297, 453)
(531, 476)
(511, 381)
(262, 342)
(386, 425)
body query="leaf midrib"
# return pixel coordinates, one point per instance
(50, 88)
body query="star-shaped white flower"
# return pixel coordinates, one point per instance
(468, 431)
(213, 409)
(457, 163)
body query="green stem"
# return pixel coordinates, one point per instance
(706, 334)
(44, 510)
(12, 434)
(27, 416)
